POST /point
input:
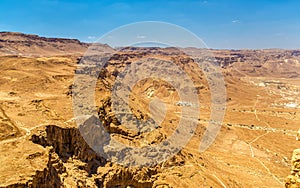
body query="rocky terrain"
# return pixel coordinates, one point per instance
(41, 145)
(293, 180)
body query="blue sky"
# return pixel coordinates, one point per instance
(231, 24)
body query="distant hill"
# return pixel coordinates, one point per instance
(12, 43)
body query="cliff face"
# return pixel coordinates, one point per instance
(293, 180)
(73, 163)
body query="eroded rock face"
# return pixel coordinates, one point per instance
(73, 163)
(293, 180)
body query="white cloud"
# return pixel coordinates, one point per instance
(141, 37)
(235, 21)
(91, 37)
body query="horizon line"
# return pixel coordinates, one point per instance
(91, 42)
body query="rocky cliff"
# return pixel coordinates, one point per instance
(293, 180)
(73, 163)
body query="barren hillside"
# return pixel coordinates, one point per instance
(41, 145)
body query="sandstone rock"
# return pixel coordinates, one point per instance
(293, 180)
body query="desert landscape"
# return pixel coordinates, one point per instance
(41, 145)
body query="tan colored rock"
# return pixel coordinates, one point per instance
(293, 180)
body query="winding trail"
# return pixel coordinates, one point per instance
(258, 137)
(28, 132)
(220, 181)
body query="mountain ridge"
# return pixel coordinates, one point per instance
(16, 43)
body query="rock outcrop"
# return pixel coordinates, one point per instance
(293, 180)
(72, 163)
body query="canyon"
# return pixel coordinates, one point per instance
(41, 143)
